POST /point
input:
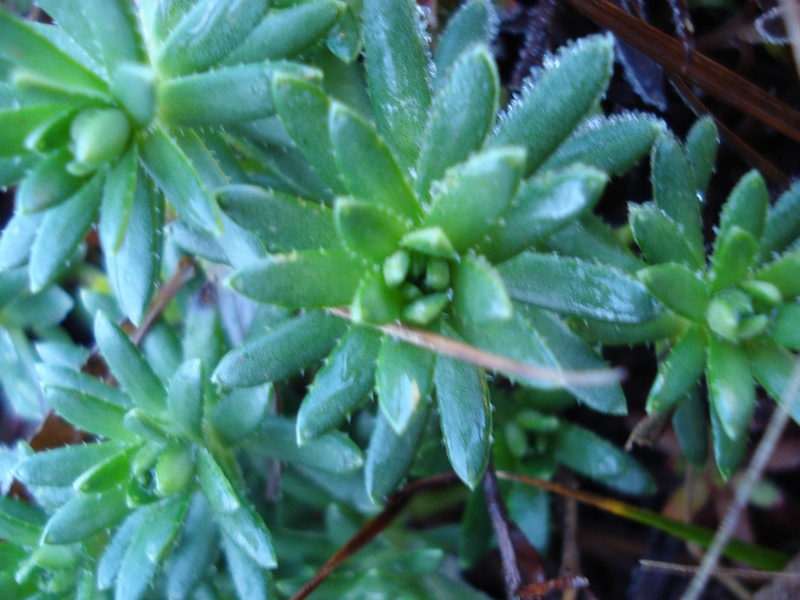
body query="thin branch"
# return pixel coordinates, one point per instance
(780, 417)
(738, 573)
(372, 528)
(499, 518)
(570, 554)
(494, 362)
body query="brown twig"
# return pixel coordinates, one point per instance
(738, 573)
(500, 524)
(372, 528)
(709, 76)
(570, 555)
(494, 362)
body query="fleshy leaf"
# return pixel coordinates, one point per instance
(279, 352)
(478, 291)
(367, 229)
(785, 330)
(397, 62)
(115, 30)
(403, 380)
(613, 145)
(16, 124)
(557, 99)
(118, 194)
(215, 485)
(224, 96)
(185, 397)
(134, 267)
(728, 452)
(745, 208)
(475, 22)
(20, 522)
(375, 301)
(702, 143)
(303, 108)
(782, 273)
(679, 373)
(128, 365)
(773, 369)
(730, 386)
(148, 547)
(90, 413)
(462, 114)
(85, 515)
(592, 456)
(678, 288)
(59, 467)
(660, 238)
(782, 225)
(282, 222)
(62, 229)
(474, 194)
(576, 287)
(301, 279)
(543, 204)
(389, 455)
(287, 32)
(691, 427)
(238, 414)
(171, 169)
(369, 169)
(341, 385)
(732, 259)
(206, 33)
(249, 578)
(466, 416)
(675, 191)
(48, 184)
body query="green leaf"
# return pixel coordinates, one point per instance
(279, 352)
(90, 413)
(702, 143)
(544, 203)
(84, 515)
(333, 452)
(613, 145)
(287, 32)
(773, 369)
(591, 239)
(785, 330)
(20, 522)
(474, 194)
(75, 23)
(403, 380)
(679, 373)
(27, 48)
(118, 195)
(305, 279)
(206, 33)
(588, 454)
(782, 273)
(461, 116)
(557, 99)
(514, 338)
(430, 241)
(728, 453)
(474, 23)
(130, 368)
(577, 287)
(375, 301)
(745, 208)
(660, 238)
(48, 184)
(678, 288)
(114, 552)
(59, 467)
(732, 259)
(150, 544)
(17, 239)
(173, 172)
(249, 578)
(368, 168)
(115, 30)
(341, 385)
(675, 192)
(16, 124)
(111, 472)
(571, 352)
(478, 291)
(13, 169)
(134, 268)
(397, 63)
(466, 416)
(303, 108)
(224, 96)
(215, 485)
(367, 229)
(730, 387)
(390, 455)
(62, 229)
(246, 529)
(58, 376)
(238, 414)
(282, 222)
(691, 427)
(783, 224)
(185, 397)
